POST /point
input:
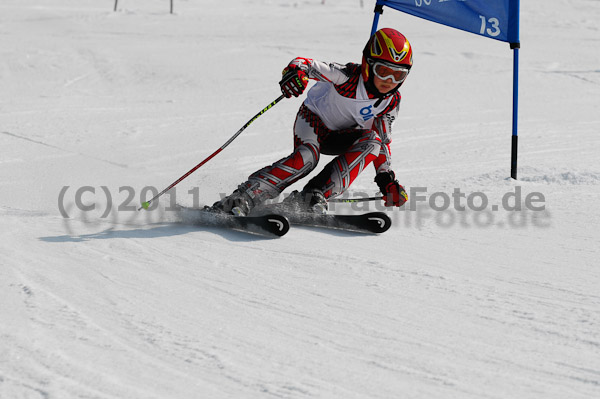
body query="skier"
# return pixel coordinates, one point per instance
(349, 112)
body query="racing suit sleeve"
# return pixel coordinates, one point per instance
(383, 126)
(321, 71)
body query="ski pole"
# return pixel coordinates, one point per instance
(350, 200)
(146, 204)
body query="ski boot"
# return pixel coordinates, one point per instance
(239, 203)
(311, 201)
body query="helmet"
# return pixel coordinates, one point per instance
(386, 46)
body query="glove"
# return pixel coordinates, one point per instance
(393, 192)
(294, 81)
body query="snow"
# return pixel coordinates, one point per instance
(447, 304)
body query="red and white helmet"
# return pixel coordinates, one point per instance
(390, 48)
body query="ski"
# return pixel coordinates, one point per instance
(373, 222)
(267, 225)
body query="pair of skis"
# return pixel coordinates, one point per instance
(278, 224)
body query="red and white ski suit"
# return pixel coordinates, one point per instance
(339, 117)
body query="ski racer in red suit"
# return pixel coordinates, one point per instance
(349, 112)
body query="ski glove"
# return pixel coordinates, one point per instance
(294, 81)
(393, 192)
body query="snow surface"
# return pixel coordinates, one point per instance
(454, 304)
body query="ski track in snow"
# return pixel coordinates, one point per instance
(443, 305)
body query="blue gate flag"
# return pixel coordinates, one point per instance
(496, 19)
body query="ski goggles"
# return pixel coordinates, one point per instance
(386, 71)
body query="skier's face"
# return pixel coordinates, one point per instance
(384, 86)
